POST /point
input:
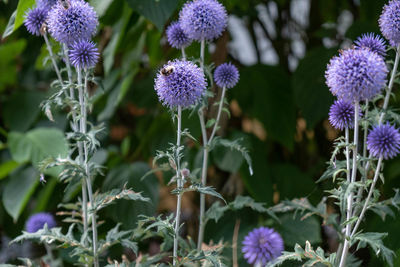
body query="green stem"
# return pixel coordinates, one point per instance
(179, 185)
(353, 179)
(53, 59)
(364, 209)
(82, 89)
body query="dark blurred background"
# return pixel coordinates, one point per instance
(279, 108)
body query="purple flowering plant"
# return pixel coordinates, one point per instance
(361, 78)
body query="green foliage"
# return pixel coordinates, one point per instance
(130, 175)
(374, 240)
(156, 11)
(18, 190)
(311, 94)
(34, 146)
(308, 254)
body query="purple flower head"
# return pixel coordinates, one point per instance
(176, 37)
(356, 75)
(226, 75)
(83, 54)
(262, 245)
(180, 83)
(47, 4)
(34, 19)
(203, 19)
(384, 140)
(389, 22)
(72, 22)
(341, 114)
(38, 220)
(372, 41)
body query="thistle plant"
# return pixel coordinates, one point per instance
(358, 77)
(73, 23)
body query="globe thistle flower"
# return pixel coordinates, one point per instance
(203, 19)
(47, 4)
(38, 220)
(262, 245)
(83, 54)
(180, 83)
(372, 41)
(389, 22)
(384, 141)
(226, 75)
(34, 19)
(176, 37)
(356, 75)
(75, 20)
(341, 115)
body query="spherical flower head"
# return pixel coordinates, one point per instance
(176, 37)
(83, 54)
(34, 19)
(356, 74)
(372, 41)
(341, 115)
(262, 245)
(384, 141)
(47, 4)
(180, 83)
(203, 19)
(73, 21)
(226, 75)
(38, 220)
(389, 22)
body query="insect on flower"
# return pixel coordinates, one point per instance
(168, 70)
(43, 28)
(65, 3)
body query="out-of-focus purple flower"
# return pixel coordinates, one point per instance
(47, 4)
(83, 54)
(262, 245)
(72, 22)
(34, 19)
(356, 75)
(372, 41)
(226, 75)
(203, 19)
(176, 37)
(38, 220)
(389, 22)
(180, 83)
(384, 141)
(341, 114)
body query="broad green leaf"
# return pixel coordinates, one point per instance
(8, 67)
(259, 185)
(7, 167)
(37, 145)
(265, 93)
(311, 94)
(157, 11)
(21, 110)
(100, 6)
(295, 230)
(18, 190)
(131, 174)
(23, 6)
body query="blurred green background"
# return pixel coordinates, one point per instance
(279, 108)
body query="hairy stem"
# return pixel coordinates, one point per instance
(353, 179)
(82, 89)
(390, 86)
(53, 59)
(221, 104)
(205, 160)
(179, 184)
(75, 129)
(364, 209)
